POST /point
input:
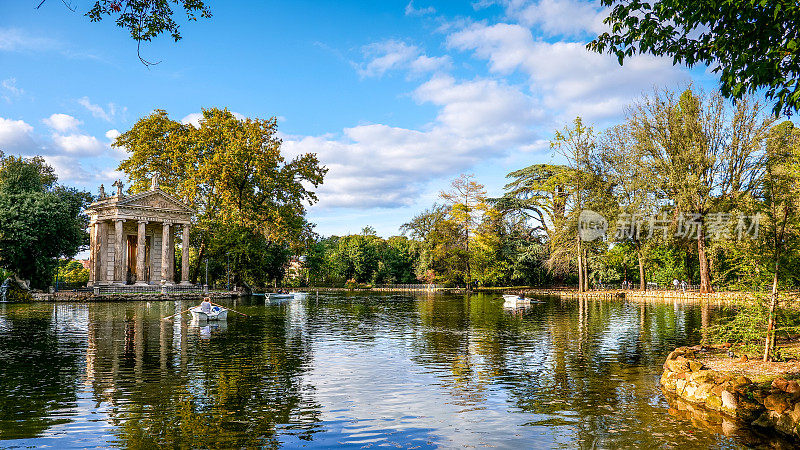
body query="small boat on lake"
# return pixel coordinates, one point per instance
(513, 299)
(209, 312)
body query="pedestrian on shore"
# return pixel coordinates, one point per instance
(675, 283)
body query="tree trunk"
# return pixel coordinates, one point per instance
(466, 243)
(585, 271)
(769, 343)
(580, 266)
(640, 255)
(705, 276)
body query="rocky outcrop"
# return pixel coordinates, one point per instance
(772, 406)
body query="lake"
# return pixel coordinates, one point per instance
(354, 370)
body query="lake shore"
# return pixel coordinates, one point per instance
(763, 395)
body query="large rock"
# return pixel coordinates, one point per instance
(792, 387)
(14, 291)
(703, 376)
(777, 402)
(679, 364)
(729, 403)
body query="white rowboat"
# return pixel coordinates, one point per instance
(216, 313)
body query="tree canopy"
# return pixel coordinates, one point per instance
(145, 19)
(232, 172)
(751, 44)
(40, 221)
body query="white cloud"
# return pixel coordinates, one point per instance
(108, 114)
(396, 55)
(79, 145)
(61, 122)
(14, 39)
(10, 89)
(412, 11)
(112, 134)
(570, 79)
(559, 17)
(378, 165)
(16, 137)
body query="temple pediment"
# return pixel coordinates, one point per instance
(154, 200)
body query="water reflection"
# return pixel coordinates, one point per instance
(352, 370)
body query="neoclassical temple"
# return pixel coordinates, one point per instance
(133, 238)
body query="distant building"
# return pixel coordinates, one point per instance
(84, 263)
(133, 237)
(295, 268)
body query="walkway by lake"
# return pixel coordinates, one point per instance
(353, 370)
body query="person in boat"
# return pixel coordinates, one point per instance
(205, 306)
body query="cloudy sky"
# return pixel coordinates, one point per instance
(397, 98)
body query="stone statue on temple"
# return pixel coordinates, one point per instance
(118, 185)
(102, 193)
(154, 182)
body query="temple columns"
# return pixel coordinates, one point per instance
(119, 253)
(166, 254)
(185, 255)
(92, 254)
(100, 250)
(141, 243)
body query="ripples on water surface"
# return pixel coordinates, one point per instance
(350, 370)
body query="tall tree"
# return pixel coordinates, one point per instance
(780, 192)
(540, 193)
(588, 187)
(231, 171)
(705, 156)
(467, 201)
(635, 192)
(754, 45)
(40, 221)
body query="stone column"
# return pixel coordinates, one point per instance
(185, 255)
(166, 263)
(100, 252)
(119, 252)
(171, 259)
(92, 254)
(141, 243)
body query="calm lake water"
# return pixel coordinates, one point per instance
(347, 370)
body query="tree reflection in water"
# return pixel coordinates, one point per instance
(355, 370)
(175, 388)
(38, 372)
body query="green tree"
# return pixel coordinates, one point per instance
(780, 189)
(442, 254)
(753, 45)
(540, 193)
(40, 221)
(232, 172)
(71, 271)
(702, 156)
(635, 193)
(466, 200)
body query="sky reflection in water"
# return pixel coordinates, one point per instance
(352, 370)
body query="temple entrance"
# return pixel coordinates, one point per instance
(133, 250)
(130, 277)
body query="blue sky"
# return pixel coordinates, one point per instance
(396, 98)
